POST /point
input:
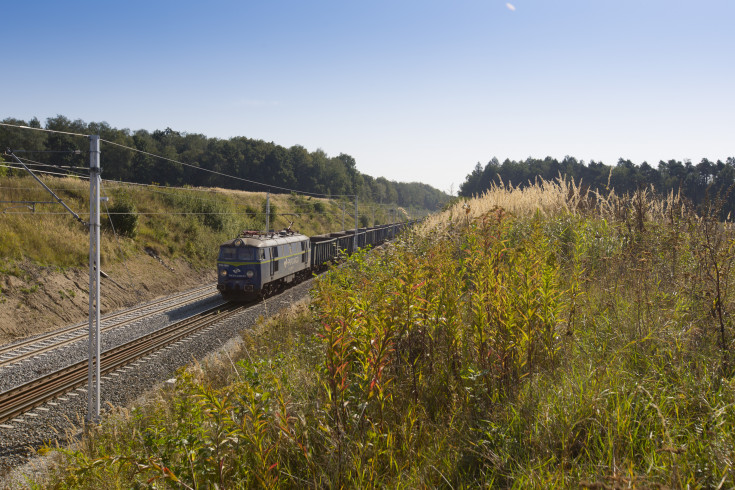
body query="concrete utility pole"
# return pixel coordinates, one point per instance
(93, 385)
(354, 242)
(93, 408)
(267, 212)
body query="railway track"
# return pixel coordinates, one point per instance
(15, 353)
(37, 392)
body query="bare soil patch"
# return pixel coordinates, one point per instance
(42, 299)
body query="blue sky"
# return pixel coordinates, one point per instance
(414, 90)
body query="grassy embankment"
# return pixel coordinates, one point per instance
(44, 257)
(528, 339)
(161, 220)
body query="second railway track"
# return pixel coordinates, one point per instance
(39, 391)
(20, 351)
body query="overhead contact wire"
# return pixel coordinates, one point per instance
(44, 130)
(268, 186)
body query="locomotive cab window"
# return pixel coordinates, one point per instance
(228, 253)
(274, 254)
(246, 253)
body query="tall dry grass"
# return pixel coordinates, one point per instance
(561, 196)
(536, 338)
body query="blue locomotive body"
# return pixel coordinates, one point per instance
(254, 264)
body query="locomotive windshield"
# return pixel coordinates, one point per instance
(245, 253)
(227, 253)
(236, 253)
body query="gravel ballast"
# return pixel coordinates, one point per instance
(57, 421)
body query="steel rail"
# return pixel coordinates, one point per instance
(9, 356)
(32, 394)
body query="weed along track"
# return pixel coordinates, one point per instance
(43, 400)
(20, 351)
(39, 391)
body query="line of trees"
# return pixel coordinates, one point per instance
(697, 182)
(256, 160)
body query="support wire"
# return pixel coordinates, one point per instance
(58, 199)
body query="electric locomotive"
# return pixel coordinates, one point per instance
(256, 264)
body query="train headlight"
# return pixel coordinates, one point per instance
(250, 274)
(223, 272)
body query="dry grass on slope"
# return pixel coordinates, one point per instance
(560, 196)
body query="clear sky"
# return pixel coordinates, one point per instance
(413, 90)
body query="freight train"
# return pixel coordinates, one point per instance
(257, 264)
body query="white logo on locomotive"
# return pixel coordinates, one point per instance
(291, 261)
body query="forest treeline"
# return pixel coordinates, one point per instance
(700, 182)
(268, 163)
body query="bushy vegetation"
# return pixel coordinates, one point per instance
(123, 216)
(534, 338)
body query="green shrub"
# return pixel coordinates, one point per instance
(213, 214)
(123, 217)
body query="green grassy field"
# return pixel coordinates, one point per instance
(528, 339)
(172, 222)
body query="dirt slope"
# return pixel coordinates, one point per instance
(40, 299)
